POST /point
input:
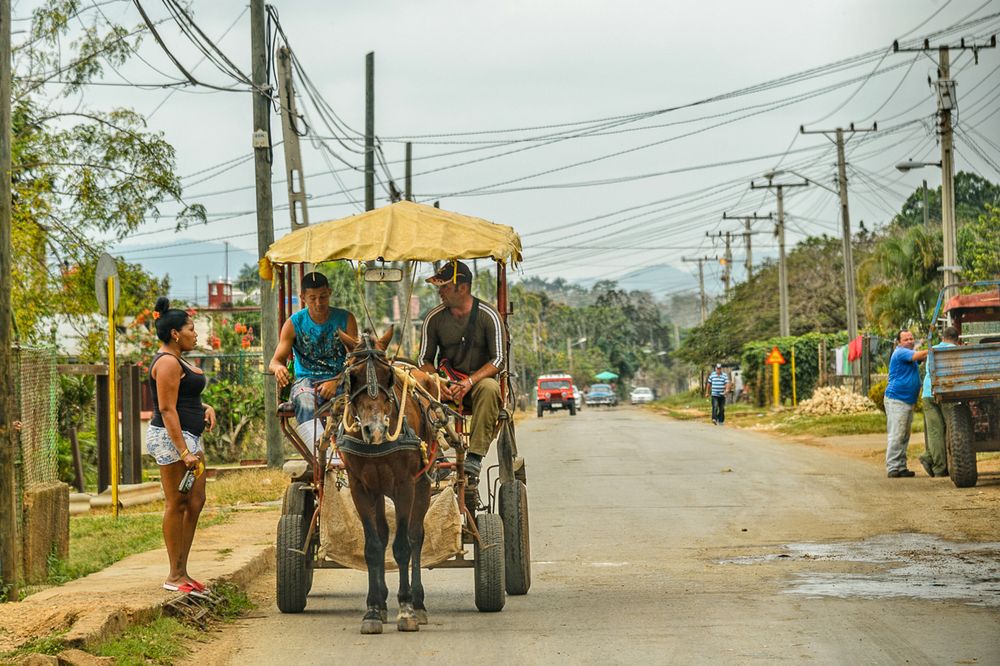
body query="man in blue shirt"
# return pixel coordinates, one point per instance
(718, 384)
(935, 458)
(900, 396)
(319, 353)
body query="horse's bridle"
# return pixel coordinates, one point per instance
(371, 356)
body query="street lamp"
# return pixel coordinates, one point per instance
(951, 267)
(569, 350)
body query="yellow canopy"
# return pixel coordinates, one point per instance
(403, 231)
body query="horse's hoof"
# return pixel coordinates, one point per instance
(371, 627)
(407, 623)
(421, 614)
(384, 614)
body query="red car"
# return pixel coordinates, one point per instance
(555, 391)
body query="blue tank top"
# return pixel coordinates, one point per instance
(319, 353)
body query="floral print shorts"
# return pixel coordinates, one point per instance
(161, 447)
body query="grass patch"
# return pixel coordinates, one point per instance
(247, 487)
(164, 640)
(51, 644)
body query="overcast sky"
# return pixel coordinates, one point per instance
(469, 68)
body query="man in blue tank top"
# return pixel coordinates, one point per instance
(319, 354)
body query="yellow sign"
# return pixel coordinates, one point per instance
(775, 357)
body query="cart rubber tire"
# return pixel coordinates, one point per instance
(520, 471)
(292, 579)
(572, 409)
(490, 596)
(541, 409)
(962, 458)
(298, 500)
(516, 537)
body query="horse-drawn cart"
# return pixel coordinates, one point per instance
(494, 526)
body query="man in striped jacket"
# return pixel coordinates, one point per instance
(465, 337)
(718, 384)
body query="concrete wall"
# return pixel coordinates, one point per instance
(46, 528)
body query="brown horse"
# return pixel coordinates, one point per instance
(383, 458)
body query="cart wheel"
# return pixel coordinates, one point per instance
(517, 547)
(489, 556)
(520, 471)
(292, 568)
(959, 434)
(298, 500)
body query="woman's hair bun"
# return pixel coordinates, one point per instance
(162, 304)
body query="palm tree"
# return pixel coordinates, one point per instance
(900, 280)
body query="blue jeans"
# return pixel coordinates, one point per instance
(898, 421)
(306, 399)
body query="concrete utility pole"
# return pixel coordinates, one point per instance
(369, 157)
(701, 284)
(845, 221)
(261, 98)
(10, 533)
(747, 233)
(948, 102)
(408, 185)
(727, 260)
(784, 323)
(298, 211)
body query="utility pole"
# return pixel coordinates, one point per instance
(948, 102)
(927, 217)
(297, 209)
(845, 222)
(226, 244)
(408, 185)
(261, 97)
(370, 154)
(747, 219)
(10, 533)
(701, 284)
(784, 323)
(727, 261)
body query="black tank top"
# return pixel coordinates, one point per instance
(189, 409)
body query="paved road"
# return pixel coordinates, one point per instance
(656, 541)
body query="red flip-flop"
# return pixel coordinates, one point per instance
(186, 588)
(197, 585)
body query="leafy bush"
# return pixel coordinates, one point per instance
(237, 406)
(877, 394)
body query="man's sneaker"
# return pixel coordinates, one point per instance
(901, 473)
(473, 465)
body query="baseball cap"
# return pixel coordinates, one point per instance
(718, 365)
(447, 274)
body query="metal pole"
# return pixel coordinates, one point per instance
(112, 398)
(845, 220)
(927, 217)
(10, 532)
(947, 178)
(408, 186)
(370, 131)
(785, 328)
(265, 220)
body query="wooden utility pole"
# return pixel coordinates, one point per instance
(784, 323)
(261, 97)
(298, 211)
(947, 103)
(701, 284)
(747, 233)
(10, 533)
(845, 222)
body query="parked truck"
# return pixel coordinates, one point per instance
(965, 379)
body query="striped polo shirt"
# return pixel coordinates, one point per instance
(718, 381)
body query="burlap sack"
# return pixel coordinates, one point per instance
(342, 538)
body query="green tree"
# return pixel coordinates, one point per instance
(78, 174)
(979, 246)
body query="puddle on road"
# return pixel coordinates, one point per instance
(917, 566)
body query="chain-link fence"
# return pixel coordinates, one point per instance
(36, 390)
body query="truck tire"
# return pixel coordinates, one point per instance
(541, 409)
(961, 455)
(572, 408)
(516, 539)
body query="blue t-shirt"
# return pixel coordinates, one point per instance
(930, 361)
(904, 379)
(319, 353)
(718, 381)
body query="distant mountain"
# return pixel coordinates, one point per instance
(184, 263)
(661, 280)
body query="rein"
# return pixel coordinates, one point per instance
(372, 356)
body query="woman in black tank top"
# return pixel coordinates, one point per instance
(179, 418)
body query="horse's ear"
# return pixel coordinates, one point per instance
(349, 342)
(383, 342)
